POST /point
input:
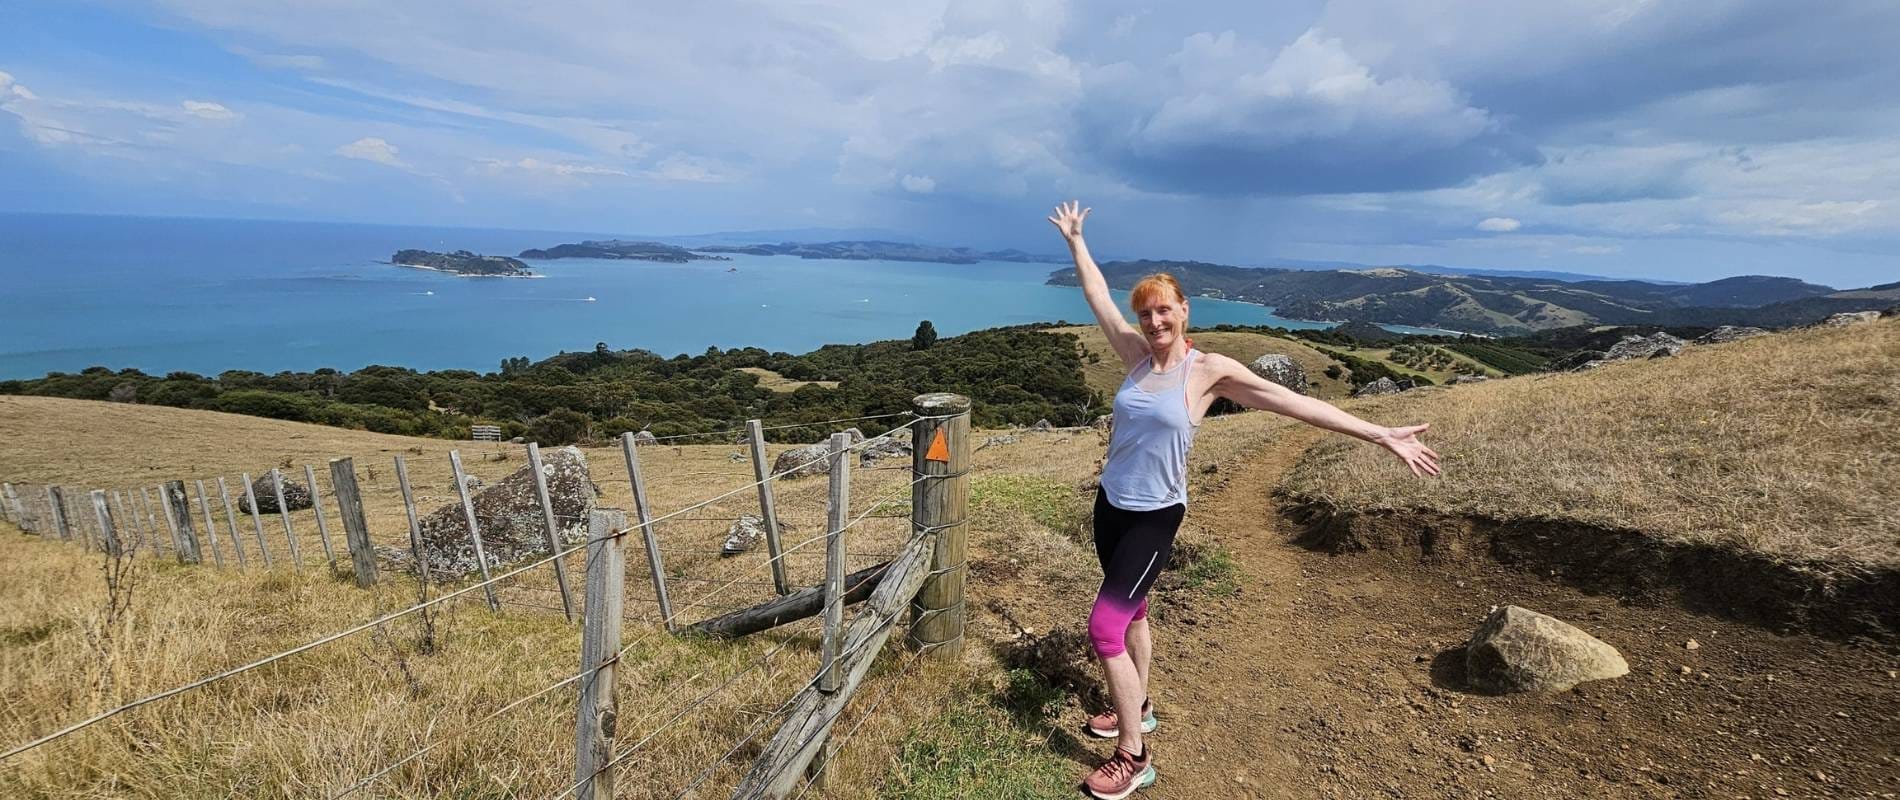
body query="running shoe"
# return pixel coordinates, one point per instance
(1123, 775)
(1108, 727)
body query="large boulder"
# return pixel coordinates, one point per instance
(1042, 425)
(1655, 345)
(882, 448)
(1850, 318)
(1280, 369)
(644, 438)
(1519, 650)
(1380, 386)
(509, 515)
(798, 462)
(744, 532)
(296, 495)
(1729, 333)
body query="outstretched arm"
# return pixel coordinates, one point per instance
(1237, 383)
(1123, 337)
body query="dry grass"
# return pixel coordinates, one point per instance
(1787, 445)
(779, 383)
(1107, 373)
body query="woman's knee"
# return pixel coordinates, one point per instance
(1108, 628)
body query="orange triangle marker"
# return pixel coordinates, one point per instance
(939, 450)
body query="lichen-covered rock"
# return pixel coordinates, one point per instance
(1380, 386)
(999, 439)
(1582, 359)
(644, 438)
(1729, 333)
(509, 515)
(744, 532)
(1280, 369)
(735, 456)
(1850, 318)
(473, 483)
(1469, 379)
(882, 448)
(296, 495)
(1519, 650)
(1655, 345)
(798, 462)
(1042, 425)
(1105, 422)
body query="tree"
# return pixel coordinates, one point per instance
(925, 336)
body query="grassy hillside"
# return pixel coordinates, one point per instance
(1786, 445)
(1105, 374)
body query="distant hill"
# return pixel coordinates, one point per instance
(1501, 304)
(885, 251)
(620, 249)
(462, 262)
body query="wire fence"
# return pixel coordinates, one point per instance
(707, 544)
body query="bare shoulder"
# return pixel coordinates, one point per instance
(1218, 366)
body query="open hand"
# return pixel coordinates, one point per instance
(1404, 443)
(1068, 219)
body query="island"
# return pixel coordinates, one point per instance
(884, 251)
(622, 250)
(464, 263)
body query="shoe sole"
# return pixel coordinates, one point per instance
(1145, 780)
(1147, 726)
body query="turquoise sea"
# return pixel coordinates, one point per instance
(206, 295)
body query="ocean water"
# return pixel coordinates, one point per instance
(210, 295)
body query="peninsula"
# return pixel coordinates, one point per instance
(462, 262)
(621, 250)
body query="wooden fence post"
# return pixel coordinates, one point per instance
(768, 509)
(349, 508)
(56, 514)
(230, 519)
(416, 549)
(129, 512)
(316, 505)
(257, 521)
(597, 719)
(554, 536)
(283, 515)
(211, 526)
(171, 528)
(655, 563)
(178, 510)
(9, 504)
(837, 512)
(940, 500)
(474, 529)
(109, 537)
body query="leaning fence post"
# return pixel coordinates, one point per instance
(171, 525)
(940, 498)
(415, 525)
(104, 514)
(554, 536)
(316, 506)
(283, 514)
(9, 504)
(768, 509)
(474, 530)
(596, 721)
(837, 510)
(257, 521)
(211, 526)
(349, 508)
(230, 519)
(129, 512)
(56, 510)
(654, 562)
(178, 509)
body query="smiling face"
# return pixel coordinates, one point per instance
(1161, 311)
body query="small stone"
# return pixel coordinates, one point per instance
(1692, 645)
(1820, 776)
(1239, 779)
(1489, 760)
(1686, 670)
(1756, 757)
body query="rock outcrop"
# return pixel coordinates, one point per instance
(882, 448)
(1729, 333)
(1850, 318)
(743, 534)
(296, 495)
(1280, 369)
(1380, 386)
(509, 514)
(1468, 379)
(798, 462)
(1519, 650)
(1631, 348)
(1042, 425)
(644, 438)
(1105, 422)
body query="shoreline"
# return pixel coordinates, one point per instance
(462, 274)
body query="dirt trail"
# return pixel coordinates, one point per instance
(1336, 676)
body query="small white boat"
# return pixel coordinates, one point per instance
(590, 299)
(429, 293)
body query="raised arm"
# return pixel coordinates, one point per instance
(1123, 337)
(1237, 383)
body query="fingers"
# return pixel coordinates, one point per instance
(1085, 214)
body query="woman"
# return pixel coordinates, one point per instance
(1143, 493)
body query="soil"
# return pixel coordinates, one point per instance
(1338, 676)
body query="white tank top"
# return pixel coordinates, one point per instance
(1147, 453)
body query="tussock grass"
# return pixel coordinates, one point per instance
(1786, 445)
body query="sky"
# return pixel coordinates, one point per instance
(1628, 138)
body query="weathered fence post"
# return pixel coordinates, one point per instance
(109, 536)
(257, 521)
(283, 515)
(178, 510)
(416, 550)
(316, 506)
(158, 543)
(554, 536)
(9, 503)
(128, 512)
(474, 529)
(230, 519)
(171, 525)
(768, 509)
(837, 511)
(56, 514)
(654, 563)
(940, 499)
(349, 508)
(211, 526)
(597, 720)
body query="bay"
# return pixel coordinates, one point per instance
(208, 295)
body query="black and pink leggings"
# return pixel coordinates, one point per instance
(1133, 547)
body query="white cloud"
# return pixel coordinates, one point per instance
(208, 110)
(371, 148)
(1597, 249)
(1499, 224)
(919, 184)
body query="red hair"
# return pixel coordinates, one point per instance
(1155, 288)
